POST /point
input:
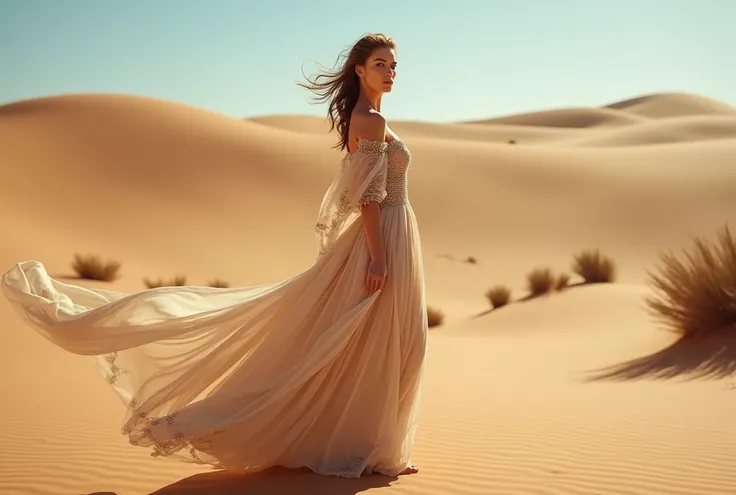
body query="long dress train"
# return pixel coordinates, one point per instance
(310, 372)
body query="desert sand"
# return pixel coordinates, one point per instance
(577, 392)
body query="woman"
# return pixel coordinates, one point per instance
(320, 371)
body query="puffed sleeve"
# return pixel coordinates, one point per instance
(360, 180)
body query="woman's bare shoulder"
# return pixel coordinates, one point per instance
(368, 124)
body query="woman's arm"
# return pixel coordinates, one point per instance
(372, 227)
(372, 126)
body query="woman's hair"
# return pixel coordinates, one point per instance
(341, 86)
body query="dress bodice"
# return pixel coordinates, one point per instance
(388, 187)
(399, 158)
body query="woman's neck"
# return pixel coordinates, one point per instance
(372, 99)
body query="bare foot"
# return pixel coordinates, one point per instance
(410, 470)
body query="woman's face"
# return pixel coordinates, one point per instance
(379, 70)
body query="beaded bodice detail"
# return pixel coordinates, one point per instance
(399, 158)
(396, 183)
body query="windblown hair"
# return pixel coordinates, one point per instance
(341, 86)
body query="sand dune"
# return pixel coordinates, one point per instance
(575, 393)
(672, 105)
(571, 118)
(672, 130)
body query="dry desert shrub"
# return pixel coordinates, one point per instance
(594, 267)
(563, 280)
(540, 281)
(219, 283)
(695, 294)
(498, 295)
(176, 281)
(435, 317)
(92, 267)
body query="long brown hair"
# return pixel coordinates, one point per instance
(341, 86)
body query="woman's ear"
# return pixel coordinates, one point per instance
(359, 70)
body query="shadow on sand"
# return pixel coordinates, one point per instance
(69, 276)
(708, 358)
(275, 481)
(531, 297)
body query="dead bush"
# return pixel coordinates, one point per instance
(562, 282)
(498, 295)
(435, 317)
(695, 294)
(91, 267)
(218, 283)
(594, 267)
(540, 281)
(176, 281)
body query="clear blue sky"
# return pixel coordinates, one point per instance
(458, 59)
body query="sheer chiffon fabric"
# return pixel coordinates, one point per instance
(309, 372)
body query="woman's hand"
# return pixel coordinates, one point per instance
(376, 277)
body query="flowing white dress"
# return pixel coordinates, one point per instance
(309, 372)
